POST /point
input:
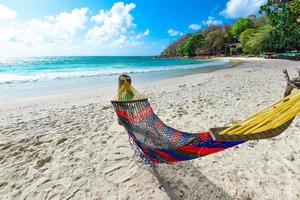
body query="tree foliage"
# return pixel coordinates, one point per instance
(283, 16)
(240, 26)
(176, 48)
(244, 39)
(255, 41)
(193, 43)
(216, 38)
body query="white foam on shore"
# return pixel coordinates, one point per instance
(9, 78)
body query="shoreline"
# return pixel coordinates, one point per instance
(74, 147)
(231, 64)
(56, 98)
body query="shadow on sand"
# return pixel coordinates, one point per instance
(184, 181)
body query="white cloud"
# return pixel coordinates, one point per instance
(194, 27)
(211, 21)
(242, 8)
(140, 35)
(173, 32)
(118, 16)
(51, 30)
(7, 13)
(7, 33)
(74, 31)
(120, 41)
(114, 26)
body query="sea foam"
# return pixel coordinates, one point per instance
(23, 75)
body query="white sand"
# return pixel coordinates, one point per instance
(71, 147)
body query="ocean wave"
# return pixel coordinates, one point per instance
(9, 78)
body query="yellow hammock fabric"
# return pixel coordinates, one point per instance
(271, 117)
(128, 93)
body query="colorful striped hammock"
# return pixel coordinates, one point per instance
(159, 143)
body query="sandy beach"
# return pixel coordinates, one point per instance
(71, 147)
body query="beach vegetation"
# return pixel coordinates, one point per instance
(175, 49)
(196, 41)
(283, 17)
(240, 26)
(244, 39)
(255, 41)
(216, 38)
(276, 29)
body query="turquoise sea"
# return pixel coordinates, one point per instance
(22, 78)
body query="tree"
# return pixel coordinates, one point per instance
(245, 38)
(255, 41)
(176, 48)
(283, 16)
(216, 39)
(240, 26)
(193, 43)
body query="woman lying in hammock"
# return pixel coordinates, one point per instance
(159, 143)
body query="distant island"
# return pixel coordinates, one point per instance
(273, 33)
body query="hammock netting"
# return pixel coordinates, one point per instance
(160, 143)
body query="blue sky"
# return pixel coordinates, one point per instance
(106, 27)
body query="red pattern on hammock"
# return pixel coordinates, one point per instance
(147, 111)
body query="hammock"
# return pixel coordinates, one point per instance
(159, 143)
